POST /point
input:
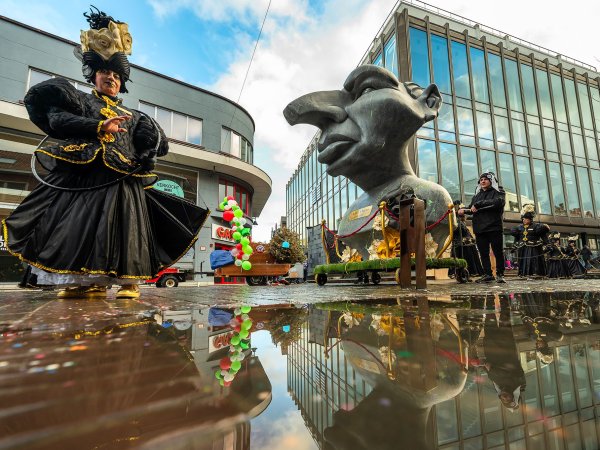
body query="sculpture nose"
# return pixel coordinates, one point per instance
(317, 108)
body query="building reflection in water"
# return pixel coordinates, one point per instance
(509, 372)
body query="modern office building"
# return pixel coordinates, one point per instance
(211, 137)
(530, 115)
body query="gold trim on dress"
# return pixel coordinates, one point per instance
(39, 150)
(74, 147)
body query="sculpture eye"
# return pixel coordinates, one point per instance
(366, 91)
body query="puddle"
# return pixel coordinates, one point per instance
(517, 371)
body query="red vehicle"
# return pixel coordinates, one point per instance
(169, 277)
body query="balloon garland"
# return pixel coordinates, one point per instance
(233, 214)
(239, 341)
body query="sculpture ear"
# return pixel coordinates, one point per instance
(432, 99)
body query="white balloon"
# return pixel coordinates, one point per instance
(224, 372)
(245, 317)
(242, 221)
(227, 207)
(234, 252)
(237, 311)
(241, 357)
(231, 202)
(245, 257)
(238, 262)
(234, 228)
(228, 377)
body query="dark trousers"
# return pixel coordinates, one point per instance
(495, 239)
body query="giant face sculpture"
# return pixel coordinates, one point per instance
(365, 125)
(366, 131)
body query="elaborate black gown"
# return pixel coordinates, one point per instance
(463, 246)
(576, 268)
(530, 241)
(556, 261)
(124, 230)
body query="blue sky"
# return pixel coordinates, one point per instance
(306, 45)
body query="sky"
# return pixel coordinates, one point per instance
(306, 45)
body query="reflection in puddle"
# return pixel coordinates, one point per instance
(492, 371)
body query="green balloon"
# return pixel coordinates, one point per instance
(244, 334)
(246, 324)
(235, 207)
(222, 206)
(245, 309)
(245, 231)
(222, 382)
(236, 236)
(244, 345)
(238, 213)
(218, 375)
(247, 249)
(235, 339)
(245, 241)
(246, 265)
(236, 365)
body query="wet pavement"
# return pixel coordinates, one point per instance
(513, 366)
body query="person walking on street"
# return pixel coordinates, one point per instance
(487, 207)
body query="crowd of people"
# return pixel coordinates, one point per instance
(539, 252)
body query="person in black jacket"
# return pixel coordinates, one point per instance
(487, 207)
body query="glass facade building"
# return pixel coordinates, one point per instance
(524, 112)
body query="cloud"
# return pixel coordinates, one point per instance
(296, 56)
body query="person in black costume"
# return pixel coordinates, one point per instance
(502, 357)
(464, 247)
(556, 261)
(576, 268)
(530, 240)
(487, 207)
(92, 223)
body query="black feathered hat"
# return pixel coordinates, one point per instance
(104, 46)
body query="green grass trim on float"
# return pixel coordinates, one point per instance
(387, 264)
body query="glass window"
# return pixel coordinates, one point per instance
(595, 97)
(465, 121)
(502, 130)
(558, 196)
(541, 185)
(559, 100)
(179, 129)
(507, 180)
(378, 61)
(148, 109)
(419, 57)
(194, 134)
(391, 59)
(468, 156)
(578, 145)
(36, 77)
(565, 143)
(584, 101)
(163, 117)
(480, 86)
(525, 186)
(514, 87)
(586, 192)
(535, 135)
(445, 120)
(550, 138)
(519, 132)
(571, 186)
(225, 140)
(529, 90)
(541, 76)
(449, 169)
(460, 69)
(484, 128)
(595, 174)
(497, 80)
(591, 148)
(441, 65)
(427, 160)
(488, 161)
(572, 102)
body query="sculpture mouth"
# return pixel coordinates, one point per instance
(333, 151)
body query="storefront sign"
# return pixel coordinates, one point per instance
(218, 341)
(170, 187)
(2, 244)
(222, 233)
